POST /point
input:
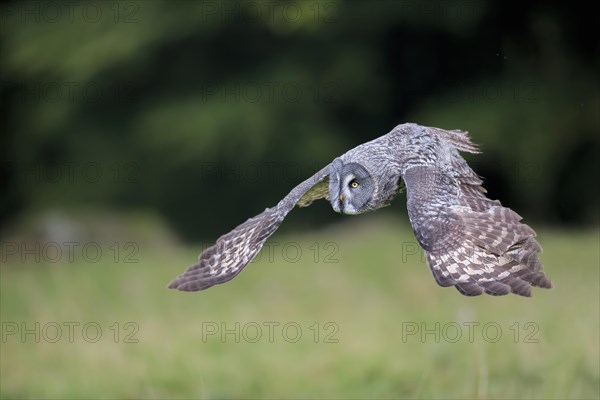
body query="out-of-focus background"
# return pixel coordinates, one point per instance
(134, 133)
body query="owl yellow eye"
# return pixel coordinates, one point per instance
(353, 184)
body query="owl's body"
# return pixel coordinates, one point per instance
(470, 241)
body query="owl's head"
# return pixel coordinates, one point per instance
(351, 187)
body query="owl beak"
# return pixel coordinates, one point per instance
(341, 197)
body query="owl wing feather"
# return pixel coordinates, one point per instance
(470, 241)
(234, 250)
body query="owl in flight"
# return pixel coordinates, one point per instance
(470, 242)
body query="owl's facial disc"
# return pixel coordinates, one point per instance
(350, 188)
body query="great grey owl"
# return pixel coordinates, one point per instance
(470, 242)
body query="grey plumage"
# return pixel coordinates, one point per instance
(470, 241)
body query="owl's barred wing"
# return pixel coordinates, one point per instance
(470, 241)
(234, 250)
(230, 254)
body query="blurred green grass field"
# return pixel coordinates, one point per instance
(305, 329)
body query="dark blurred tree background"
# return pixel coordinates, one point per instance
(207, 112)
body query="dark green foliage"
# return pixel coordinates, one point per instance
(208, 113)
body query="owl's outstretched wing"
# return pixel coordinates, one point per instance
(470, 241)
(234, 250)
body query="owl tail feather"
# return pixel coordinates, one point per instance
(497, 255)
